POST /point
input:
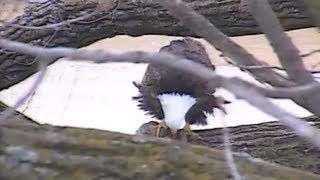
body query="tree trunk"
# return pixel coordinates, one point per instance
(269, 141)
(132, 18)
(33, 151)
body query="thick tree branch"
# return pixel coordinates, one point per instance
(303, 129)
(270, 141)
(102, 6)
(313, 10)
(30, 151)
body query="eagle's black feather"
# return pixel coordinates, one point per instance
(148, 101)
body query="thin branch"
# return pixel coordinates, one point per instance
(35, 59)
(247, 70)
(228, 151)
(281, 93)
(239, 88)
(201, 26)
(268, 67)
(6, 52)
(274, 92)
(310, 53)
(286, 51)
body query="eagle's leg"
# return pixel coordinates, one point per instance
(174, 133)
(187, 130)
(162, 124)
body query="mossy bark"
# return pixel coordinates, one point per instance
(33, 151)
(127, 17)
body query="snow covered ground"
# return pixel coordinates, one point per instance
(99, 96)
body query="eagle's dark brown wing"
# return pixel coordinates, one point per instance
(148, 101)
(205, 103)
(195, 115)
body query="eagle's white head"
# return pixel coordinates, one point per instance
(175, 107)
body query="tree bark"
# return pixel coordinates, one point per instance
(33, 151)
(127, 17)
(269, 141)
(312, 9)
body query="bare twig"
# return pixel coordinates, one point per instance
(268, 66)
(240, 66)
(282, 93)
(201, 26)
(240, 88)
(286, 51)
(35, 59)
(6, 52)
(310, 53)
(9, 111)
(228, 151)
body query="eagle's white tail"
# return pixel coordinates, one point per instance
(175, 106)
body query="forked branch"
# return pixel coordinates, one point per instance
(204, 28)
(288, 54)
(200, 25)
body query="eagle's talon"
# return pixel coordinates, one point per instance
(159, 126)
(193, 135)
(187, 130)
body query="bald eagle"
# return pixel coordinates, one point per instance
(176, 98)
